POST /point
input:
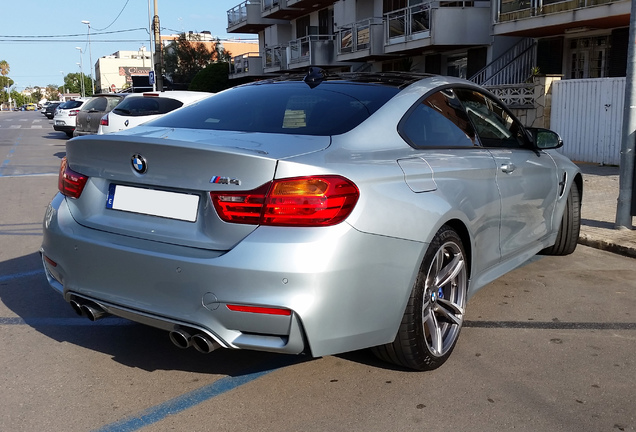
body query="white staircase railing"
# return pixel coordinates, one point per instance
(512, 67)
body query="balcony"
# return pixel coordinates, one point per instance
(275, 59)
(246, 65)
(280, 9)
(246, 18)
(314, 50)
(552, 17)
(440, 23)
(361, 40)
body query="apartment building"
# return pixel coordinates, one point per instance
(490, 42)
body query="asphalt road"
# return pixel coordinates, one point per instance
(549, 347)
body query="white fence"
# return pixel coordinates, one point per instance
(588, 114)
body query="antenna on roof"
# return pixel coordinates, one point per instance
(314, 76)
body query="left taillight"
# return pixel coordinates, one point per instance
(300, 201)
(104, 121)
(70, 183)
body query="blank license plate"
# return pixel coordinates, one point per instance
(170, 205)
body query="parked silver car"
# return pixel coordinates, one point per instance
(312, 215)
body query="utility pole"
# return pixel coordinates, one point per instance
(158, 55)
(626, 208)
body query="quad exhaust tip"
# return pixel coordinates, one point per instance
(200, 341)
(91, 311)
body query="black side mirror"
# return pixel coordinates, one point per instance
(545, 139)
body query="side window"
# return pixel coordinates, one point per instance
(494, 126)
(439, 121)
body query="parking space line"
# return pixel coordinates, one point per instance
(64, 322)
(188, 400)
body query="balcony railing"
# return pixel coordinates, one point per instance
(243, 63)
(267, 5)
(238, 13)
(516, 9)
(357, 36)
(409, 23)
(304, 49)
(276, 57)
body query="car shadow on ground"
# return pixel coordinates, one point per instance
(25, 292)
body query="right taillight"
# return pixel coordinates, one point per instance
(300, 201)
(70, 183)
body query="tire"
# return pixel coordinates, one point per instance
(568, 235)
(435, 311)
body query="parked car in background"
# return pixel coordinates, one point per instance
(66, 115)
(139, 108)
(317, 214)
(31, 107)
(90, 114)
(49, 112)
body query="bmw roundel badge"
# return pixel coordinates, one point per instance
(139, 164)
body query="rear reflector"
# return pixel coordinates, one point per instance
(300, 201)
(70, 183)
(259, 310)
(50, 261)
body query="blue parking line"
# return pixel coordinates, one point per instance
(188, 400)
(64, 322)
(20, 275)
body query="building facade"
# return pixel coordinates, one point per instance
(115, 72)
(490, 42)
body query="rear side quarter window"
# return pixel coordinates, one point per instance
(438, 121)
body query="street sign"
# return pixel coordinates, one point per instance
(113, 88)
(151, 77)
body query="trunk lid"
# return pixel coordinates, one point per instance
(179, 164)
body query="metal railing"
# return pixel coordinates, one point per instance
(241, 64)
(238, 13)
(276, 57)
(300, 50)
(270, 4)
(357, 36)
(515, 9)
(402, 24)
(512, 67)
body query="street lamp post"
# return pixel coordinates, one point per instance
(81, 72)
(63, 84)
(90, 55)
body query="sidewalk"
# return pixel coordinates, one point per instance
(598, 211)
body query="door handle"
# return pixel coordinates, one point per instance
(508, 168)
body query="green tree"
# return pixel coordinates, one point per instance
(72, 84)
(51, 92)
(213, 78)
(5, 81)
(187, 55)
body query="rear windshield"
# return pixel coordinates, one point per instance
(285, 107)
(101, 103)
(72, 104)
(146, 105)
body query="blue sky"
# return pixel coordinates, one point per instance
(37, 58)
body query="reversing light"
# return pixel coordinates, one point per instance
(70, 183)
(300, 201)
(259, 310)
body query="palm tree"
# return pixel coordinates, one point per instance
(4, 68)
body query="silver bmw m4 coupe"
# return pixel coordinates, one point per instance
(315, 214)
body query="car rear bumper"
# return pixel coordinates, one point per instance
(338, 300)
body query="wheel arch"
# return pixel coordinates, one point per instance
(462, 230)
